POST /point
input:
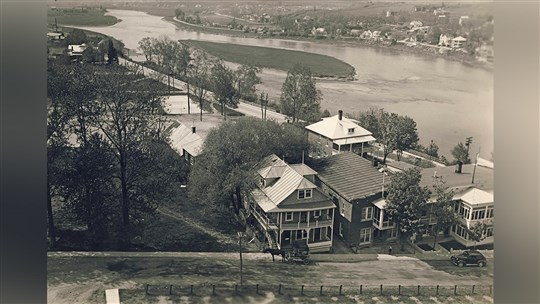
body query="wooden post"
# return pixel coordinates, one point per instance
(257, 287)
(437, 292)
(321, 290)
(340, 287)
(418, 293)
(191, 290)
(170, 289)
(146, 289)
(214, 290)
(472, 289)
(360, 289)
(302, 290)
(399, 290)
(241, 270)
(279, 289)
(455, 290)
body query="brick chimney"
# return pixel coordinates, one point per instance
(193, 129)
(340, 114)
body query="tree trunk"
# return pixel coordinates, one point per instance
(125, 207)
(238, 198)
(398, 153)
(52, 230)
(188, 100)
(435, 239)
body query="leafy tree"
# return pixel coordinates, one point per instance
(183, 65)
(460, 153)
(77, 36)
(223, 172)
(442, 209)
(179, 14)
(383, 126)
(223, 86)
(406, 134)
(199, 75)
(91, 55)
(432, 149)
(246, 80)
(130, 118)
(112, 54)
(406, 202)
(300, 99)
(477, 232)
(147, 47)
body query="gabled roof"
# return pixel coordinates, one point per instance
(459, 39)
(183, 138)
(350, 175)
(334, 128)
(303, 169)
(288, 179)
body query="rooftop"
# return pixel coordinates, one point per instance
(483, 178)
(335, 128)
(350, 175)
(476, 196)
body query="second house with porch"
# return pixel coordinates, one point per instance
(287, 207)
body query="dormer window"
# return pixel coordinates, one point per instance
(351, 130)
(304, 193)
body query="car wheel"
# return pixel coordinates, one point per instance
(481, 264)
(306, 261)
(461, 264)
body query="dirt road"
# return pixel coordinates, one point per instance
(83, 277)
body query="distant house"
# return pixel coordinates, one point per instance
(318, 31)
(414, 24)
(55, 36)
(463, 20)
(356, 33)
(458, 42)
(355, 185)
(186, 142)
(439, 11)
(366, 35)
(390, 13)
(287, 207)
(445, 40)
(337, 134)
(376, 35)
(76, 50)
(485, 53)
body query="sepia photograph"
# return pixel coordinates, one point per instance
(292, 151)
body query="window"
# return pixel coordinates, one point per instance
(365, 235)
(301, 234)
(478, 214)
(367, 213)
(351, 130)
(304, 193)
(342, 209)
(393, 233)
(490, 213)
(317, 213)
(288, 216)
(489, 232)
(464, 211)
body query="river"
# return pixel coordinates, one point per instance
(448, 100)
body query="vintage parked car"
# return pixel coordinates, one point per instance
(469, 257)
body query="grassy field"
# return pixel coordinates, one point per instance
(80, 17)
(320, 65)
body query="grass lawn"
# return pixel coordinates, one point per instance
(320, 65)
(80, 17)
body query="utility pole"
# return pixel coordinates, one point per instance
(475, 164)
(240, 236)
(468, 142)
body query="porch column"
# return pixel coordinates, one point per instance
(362, 149)
(308, 216)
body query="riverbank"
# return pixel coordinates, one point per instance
(457, 56)
(85, 16)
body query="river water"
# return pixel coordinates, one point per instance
(448, 100)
